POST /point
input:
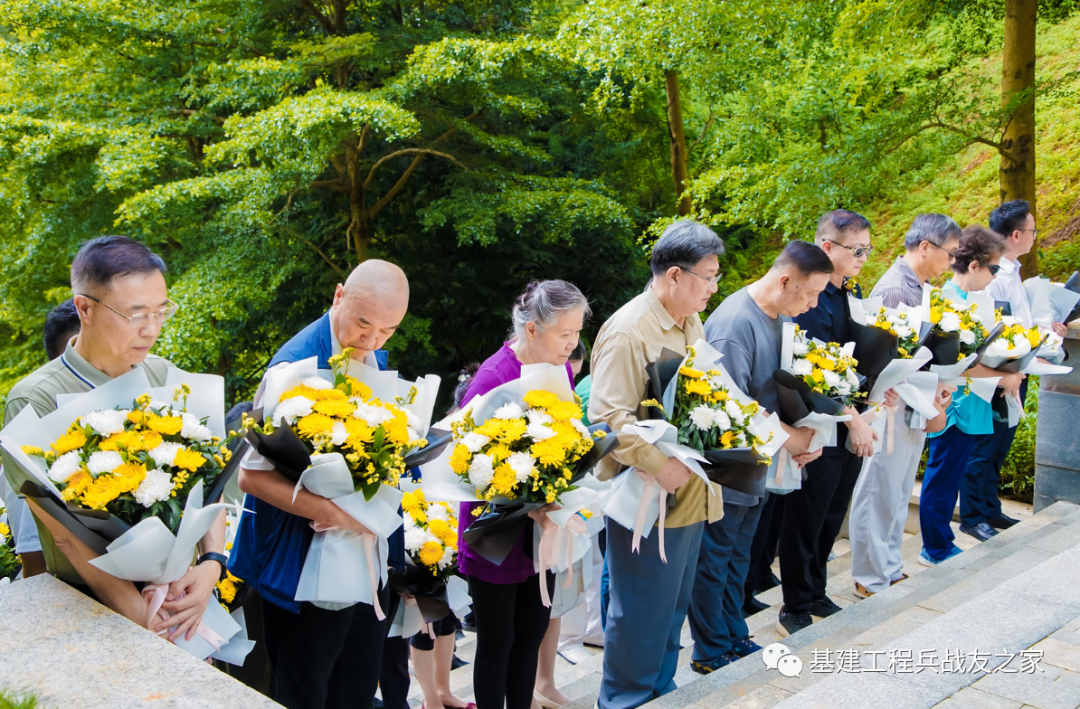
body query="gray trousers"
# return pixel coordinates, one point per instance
(649, 601)
(879, 508)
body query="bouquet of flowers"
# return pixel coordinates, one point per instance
(1053, 302)
(9, 562)
(1015, 347)
(883, 335)
(827, 368)
(346, 434)
(958, 331)
(134, 479)
(517, 447)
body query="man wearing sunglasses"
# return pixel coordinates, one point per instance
(122, 302)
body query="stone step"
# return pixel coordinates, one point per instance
(928, 595)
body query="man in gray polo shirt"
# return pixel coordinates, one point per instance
(879, 504)
(120, 293)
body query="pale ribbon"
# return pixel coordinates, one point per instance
(549, 558)
(890, 422)
(642, 510)
(781, 467)
(155, 595)
(427, 627)
(369, 541)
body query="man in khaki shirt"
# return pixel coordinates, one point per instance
(120, 294)
(649, 599)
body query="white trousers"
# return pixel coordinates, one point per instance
(582, 624)
(879, 509)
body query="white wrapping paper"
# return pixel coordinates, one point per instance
(1050, 302)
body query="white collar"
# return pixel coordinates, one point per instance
(1009, 266)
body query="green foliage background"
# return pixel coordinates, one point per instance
(264, 147)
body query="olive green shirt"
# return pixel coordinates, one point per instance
(632, 338)
(69, 373)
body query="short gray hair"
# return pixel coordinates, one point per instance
(543, 302)
(935, 228)
(682, 245)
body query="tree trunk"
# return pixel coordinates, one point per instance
(1017, 177)
(678, 142)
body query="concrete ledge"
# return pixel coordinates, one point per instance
(74, 652)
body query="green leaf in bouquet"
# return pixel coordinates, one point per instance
(370, 490)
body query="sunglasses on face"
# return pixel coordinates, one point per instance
(856, 251)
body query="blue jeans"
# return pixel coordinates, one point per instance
(979, 500)
(646, 610)
(945, 465)
(716, 619)
(605, 595)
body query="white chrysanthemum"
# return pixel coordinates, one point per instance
(903, 331)
(481, 471)
(156, 487)
(538, 416)
(412, 420)
(702, 417)
(843, 388)
(522, 464)
(832, 379)
(414, 539)
(801, 367)
(447, 558)
(474, 442)
(852, 378)
(193, 430)
(292, 408)
(509, 411)
(580, 428)
(107, 422)
(734, 411)
(716, 382)
(407, 522)
(103, 462)
(438, 511)
(967, 337)
(165, 453)
(1010, 320)
(65, 466)
(950, 322)
(338, 434)
(539, 432)
(741, 438)
(372, 415)
(429, 536)
(721, 420)
(316, 383)
(799, 348)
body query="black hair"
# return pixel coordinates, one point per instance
(804, 257)
(682, 245)
(104, 258)
(1009, 217)
(836, 224)
(579, 352)
(61, 324)
(464, 380)
(977, 244)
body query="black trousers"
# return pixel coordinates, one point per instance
(812, 518)
(763, 547)
(511, 621)
(394, 671)
(325, 659)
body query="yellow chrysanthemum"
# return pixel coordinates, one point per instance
(549, 452)
(188, 459)
(540, 399)
(358, 388)
(5, 531)
(77, 485)
(397, 429)
(460, 459)
(719, 396)
(412, 500)
(338, 408)
(314, 425)
(33, 450)
(726, 439)
(512, 430)
(700, 387)
(820, 361)
(691, 373)
(431, 553)
(504, 480)
(491, 428)
(70, 441)
(442, 530)
(564, 411)
(165, 425)
(135, 416)
(419, 516)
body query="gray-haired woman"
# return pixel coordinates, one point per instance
(510, 617)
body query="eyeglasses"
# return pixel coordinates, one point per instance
(139, 319)
(1035, 232)
(994, 268)
(952, 254)
(711, 281)
(856, 251)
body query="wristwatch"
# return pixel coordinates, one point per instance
(219, 558)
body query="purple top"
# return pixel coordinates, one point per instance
(499, 368)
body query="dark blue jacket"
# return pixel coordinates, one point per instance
(271, 544)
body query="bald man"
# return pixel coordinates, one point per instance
(320, 658)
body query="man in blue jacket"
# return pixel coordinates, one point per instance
(320, 658)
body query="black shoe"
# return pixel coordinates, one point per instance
(771, 582)
(704, 668)
(789, 623)
(752, 605)
(824, 607)
(469, 622)
(457, 662)
(1003, 522)
(745, 646)
(982, 531)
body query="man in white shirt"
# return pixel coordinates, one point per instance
(979, 492)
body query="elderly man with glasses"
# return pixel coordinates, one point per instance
(122, 302)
